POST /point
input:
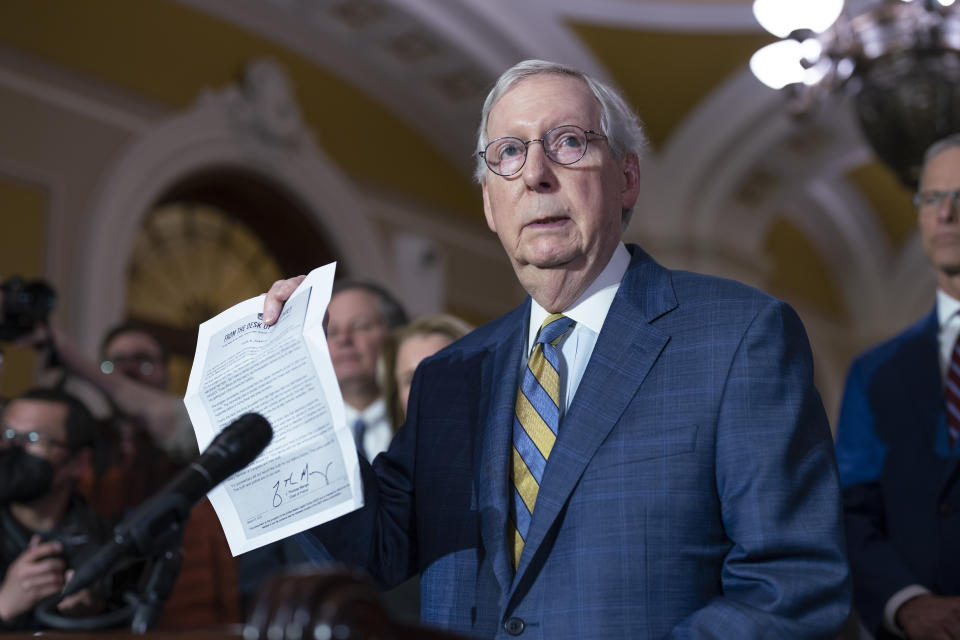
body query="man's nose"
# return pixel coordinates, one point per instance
(538, 169)
(948, 211)
(342, 336)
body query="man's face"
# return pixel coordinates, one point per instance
(940, 226)
(551, 216)
(137, 355)
(355, 331)
(48, 421)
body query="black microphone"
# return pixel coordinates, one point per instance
(151, 526)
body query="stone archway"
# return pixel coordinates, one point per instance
(254, 126)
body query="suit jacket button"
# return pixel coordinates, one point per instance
(514, 626)
(946, 509)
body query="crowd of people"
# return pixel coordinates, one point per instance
(105, 467)
(634, 452)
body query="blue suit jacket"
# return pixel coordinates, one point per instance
(900, 484)
(692, 491)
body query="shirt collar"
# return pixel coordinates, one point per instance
(370, 416)
(590, 309)
(947, 307)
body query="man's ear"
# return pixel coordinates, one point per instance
(487, 209)
(631, 181)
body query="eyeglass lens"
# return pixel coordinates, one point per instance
(10, 435)
(935, 199)
(564, 145)
(144, 361)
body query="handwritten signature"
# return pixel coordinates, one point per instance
(304, 481)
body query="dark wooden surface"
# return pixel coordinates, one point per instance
(231, 632)
(299, 602)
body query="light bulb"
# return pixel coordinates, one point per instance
(811, 49)
(783, 17)
(777, 65)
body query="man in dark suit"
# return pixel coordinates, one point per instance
(897, 442)
(655, 461)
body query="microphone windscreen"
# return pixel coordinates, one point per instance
(236, 446)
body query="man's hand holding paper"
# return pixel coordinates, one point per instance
(255, 357)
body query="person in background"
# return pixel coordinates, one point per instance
(153, 436)
(361, 315)
(135, 366)
(133, 377)
(898, 442)
(154, 440)
(405, 348)
(47, 439)
(150, 433)
(142, 362)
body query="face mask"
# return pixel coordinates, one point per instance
(23, 476)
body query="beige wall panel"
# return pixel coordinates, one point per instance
(68, 153)
(479, 283)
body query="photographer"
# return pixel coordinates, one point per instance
(132, 376)
(46, 444)
(149, 439)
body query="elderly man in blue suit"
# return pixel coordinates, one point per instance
(634, 452)
(898, 442)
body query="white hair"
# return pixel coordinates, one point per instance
(938, 147)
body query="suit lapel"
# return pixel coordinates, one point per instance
(610, 381)
(928, 387)
(498, 397)
(922, 378)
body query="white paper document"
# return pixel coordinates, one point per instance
(309, 473)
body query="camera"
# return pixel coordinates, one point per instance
(23, 306)
(77, 546)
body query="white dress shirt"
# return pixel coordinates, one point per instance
(589, 312)
(378, 431)
(948, 321)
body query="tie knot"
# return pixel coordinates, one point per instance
(554, 327)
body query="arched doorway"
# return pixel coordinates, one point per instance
(213, 239)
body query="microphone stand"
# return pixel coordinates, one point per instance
(155, 529)
(157, 539)
(164, 570)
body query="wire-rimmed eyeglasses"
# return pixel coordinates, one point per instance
(145, 362)
(933, 200)
(9, 435)
(564, 145)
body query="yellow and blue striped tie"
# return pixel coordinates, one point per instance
(536, 419)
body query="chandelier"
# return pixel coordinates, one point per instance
(899, 59)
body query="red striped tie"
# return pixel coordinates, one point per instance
(953, 395)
